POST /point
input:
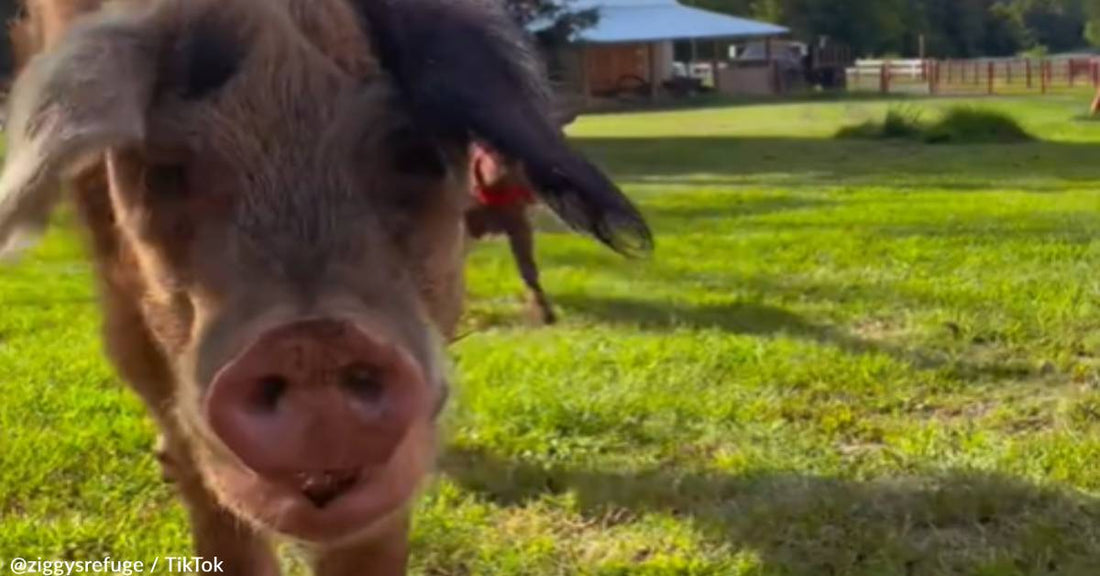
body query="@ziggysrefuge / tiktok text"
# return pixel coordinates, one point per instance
(107, 565)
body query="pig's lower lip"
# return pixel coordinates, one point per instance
(381, 493)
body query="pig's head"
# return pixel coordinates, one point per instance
(290, 196)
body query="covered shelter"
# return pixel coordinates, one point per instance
(634, 45)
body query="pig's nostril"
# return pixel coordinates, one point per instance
(365, 383)
(271, 390)
(322, 488)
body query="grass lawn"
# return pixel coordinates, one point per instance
(846, 357)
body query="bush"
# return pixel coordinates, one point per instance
(967, 125)
(867, 130)
(902, 123)
(960, 125)
(899, 123)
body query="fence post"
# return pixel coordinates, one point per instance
(884, 78)
(1043, 76)
(1008, 72)
(1027, 68)
(989, 75)
(1070, 73)
(1095, 69)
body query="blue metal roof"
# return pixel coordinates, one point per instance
(623, 21)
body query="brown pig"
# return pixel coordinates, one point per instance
(274, 193)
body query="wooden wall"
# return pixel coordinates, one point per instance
(607, 64)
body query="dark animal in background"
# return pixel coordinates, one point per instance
(503, 200)
(274, 193)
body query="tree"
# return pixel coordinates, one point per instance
(561, 18)
(951, 28)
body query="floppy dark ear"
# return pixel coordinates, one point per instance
(467, 69)
(70, 104)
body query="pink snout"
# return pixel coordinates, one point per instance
(317, 407)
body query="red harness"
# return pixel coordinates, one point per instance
(503, 193)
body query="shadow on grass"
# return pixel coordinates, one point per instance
(738, 318)
(957, 522)
(752, 319)
(726, 208)
(804, 162)
(710, 101)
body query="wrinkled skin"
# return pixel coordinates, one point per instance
(274, 194)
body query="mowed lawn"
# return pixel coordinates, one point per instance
(844, 358)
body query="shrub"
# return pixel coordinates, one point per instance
(959, 125)
(968, 125)
(899, 123)
(902, 123)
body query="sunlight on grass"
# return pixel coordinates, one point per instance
(845, 357)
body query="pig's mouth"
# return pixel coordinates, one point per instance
(328, 507)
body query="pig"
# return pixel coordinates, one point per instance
(273, 194)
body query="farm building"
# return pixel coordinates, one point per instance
(655, 46)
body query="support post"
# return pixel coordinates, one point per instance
(654, 83)
(1027, 71)
(586, 78)
(714, 60)
(989, 73)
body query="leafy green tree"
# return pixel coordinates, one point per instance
(951, 28)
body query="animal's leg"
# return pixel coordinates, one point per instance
(130, 345)
(386, 554)
(216, 532)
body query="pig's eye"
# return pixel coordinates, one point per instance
(166, 180)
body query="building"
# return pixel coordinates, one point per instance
(642, 45)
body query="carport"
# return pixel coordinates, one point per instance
(634, 39)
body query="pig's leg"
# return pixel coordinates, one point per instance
(139, 361)
(521, 238)
(215, 531)
(386, 553)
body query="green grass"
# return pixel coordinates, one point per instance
(846, 358)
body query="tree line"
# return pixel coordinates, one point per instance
(950, 28)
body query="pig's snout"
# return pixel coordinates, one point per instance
(317, 406)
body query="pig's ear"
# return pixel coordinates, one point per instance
(69, 105)
(465, 68)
